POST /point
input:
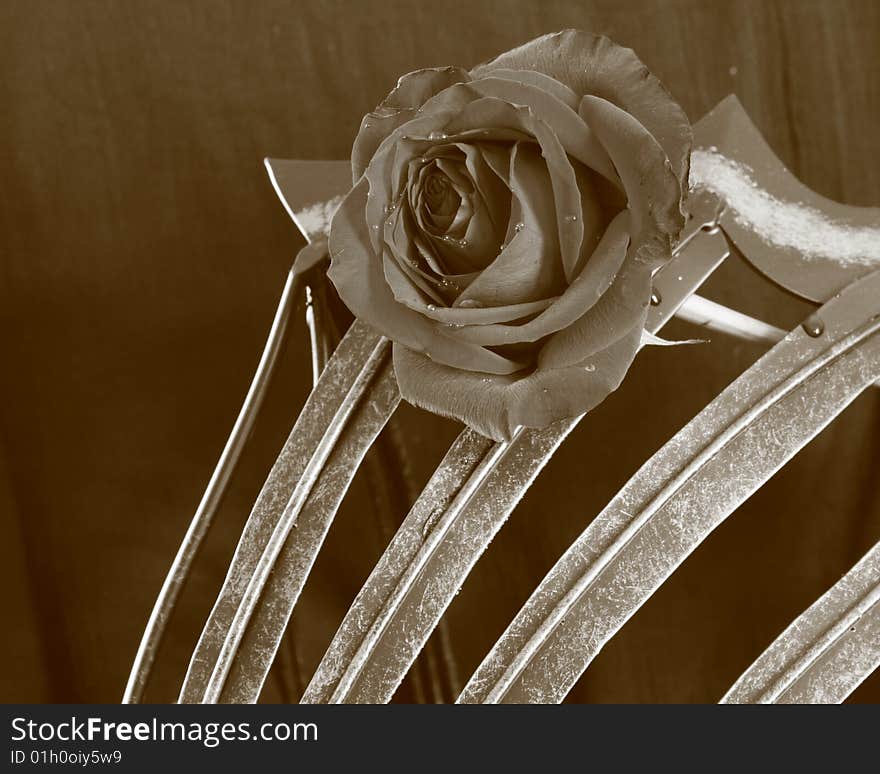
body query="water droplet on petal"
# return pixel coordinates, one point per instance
(518, 227)
(470, 303)
(590, 367)
(431, 308)
(656, 298)
(571, 218)
(436, 135)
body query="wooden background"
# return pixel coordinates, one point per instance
(143, 252)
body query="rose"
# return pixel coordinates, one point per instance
(504, 225)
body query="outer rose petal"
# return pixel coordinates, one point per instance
(654, 198)
(496, 405)
(412, 90)
(594, 64)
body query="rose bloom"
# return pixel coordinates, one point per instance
(504, 225)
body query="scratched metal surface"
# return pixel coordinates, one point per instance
(679, 496)
(141, 253)
(293, 512)
(825, 651)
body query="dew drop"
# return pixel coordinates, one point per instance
(590, 367)
(518, 227)
(435, 135)
(571, 218)
(656, 298)
(469, 303)
(813, 326)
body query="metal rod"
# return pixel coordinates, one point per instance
(213, 495)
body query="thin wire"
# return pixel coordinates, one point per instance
(204, 515)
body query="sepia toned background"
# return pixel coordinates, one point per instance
(142, 252)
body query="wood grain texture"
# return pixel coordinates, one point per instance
(142, 251)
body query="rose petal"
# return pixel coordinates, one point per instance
(528, 268)
(562, 120)
(623, 306)
(408, 286)
(594, 64)
(496, 405)
(653, 192)
(544, 82)
(594, 280)
(598, 209)
(411, 92)
(493, 190)
(576, 138)
(359, 278)
(454, 317)
(497, 157)
(400, 248)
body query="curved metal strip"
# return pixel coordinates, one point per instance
(318, 461)
(827, 651)
(809, 244)
(679, 496)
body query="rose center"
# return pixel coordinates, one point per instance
(439, 196)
